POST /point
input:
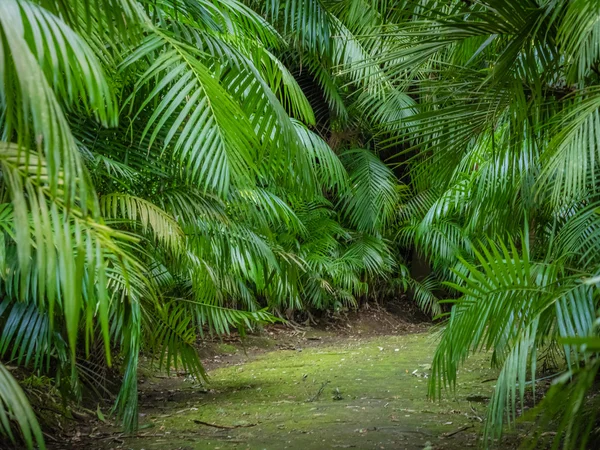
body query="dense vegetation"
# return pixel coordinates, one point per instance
(174, 167)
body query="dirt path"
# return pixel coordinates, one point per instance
(320, 391)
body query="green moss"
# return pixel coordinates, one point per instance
(226, 349)
(262, 342)
(373, 394)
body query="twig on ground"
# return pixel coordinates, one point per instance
(461, 429)
(49, 436)
(224, 427)
(476, 416)
(319, 392)
(117, 437)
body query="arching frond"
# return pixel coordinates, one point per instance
(173, 338)
(267, 207)
(570, 172)
(326, 164)
(26, 333)
(507, 302)
(116, 15)
(424, 294)
(579, 35)
(306, 20)
(220, 320)
(372, 199)
(32, 105)
(285, 86)
(211, 135)
(137, 210)
(14, 406)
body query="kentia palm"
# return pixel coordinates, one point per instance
(206, 176)
(212, 178)
(503, 147)
(495, 107)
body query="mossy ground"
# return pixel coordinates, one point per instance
(373, 396)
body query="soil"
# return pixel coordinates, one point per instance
(356, 382)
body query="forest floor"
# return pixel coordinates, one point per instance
(359, 384)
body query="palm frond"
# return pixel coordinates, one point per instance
(134, 209)
(372, 199)
(31, 105)
(505, 282)
(424, 295)
(173, 339)
(306, 20)
(326, 164)
(14, 406)
(26, 332)
(211, 135)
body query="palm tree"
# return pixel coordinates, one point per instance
(159, 179)
(188, 165)
(500, 146)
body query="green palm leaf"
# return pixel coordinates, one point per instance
(211, 135)
(134, 209)
(14, 406)
(373, 196)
